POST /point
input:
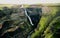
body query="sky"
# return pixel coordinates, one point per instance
(28, 1)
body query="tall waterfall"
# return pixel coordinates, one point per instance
(28, 16)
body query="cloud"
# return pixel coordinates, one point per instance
(28, 1)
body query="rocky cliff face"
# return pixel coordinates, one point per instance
(15, 24)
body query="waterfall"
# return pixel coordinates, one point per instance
(28, 16)
(29, 20)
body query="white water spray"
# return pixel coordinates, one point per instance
(27, 15)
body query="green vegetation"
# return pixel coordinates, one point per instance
(48, 27)
(45, 24)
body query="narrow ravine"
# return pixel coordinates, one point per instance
(34, 20)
